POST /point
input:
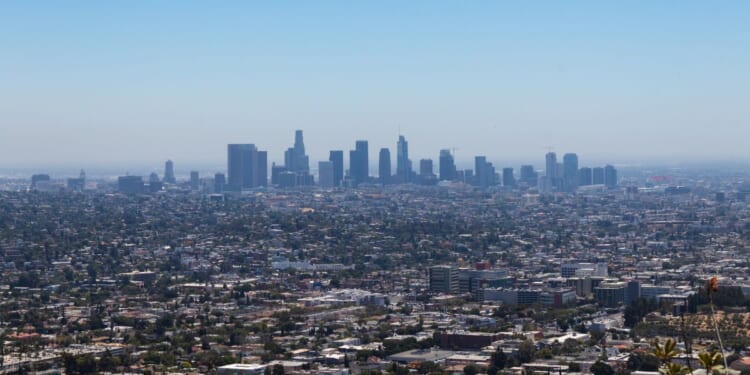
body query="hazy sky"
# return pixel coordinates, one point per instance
(92, 82)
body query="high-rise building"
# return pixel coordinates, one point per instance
(130, 184)
(37, 178)
(384, 166)
(403, 164)
(219, 182)
(295, 159)
(246, 166)
(325, 174)
(359, 167)
(551, 178)
(480, 173)
(447, 166)
(425, 168)
(585, 176)
(528, 175)
(598, 175)
(610, 176)
(570, 172)
(509, 180)
(77, 184)
(154, 183)
(195, 181)
(444, 279)
(337, 158)
(169, 172)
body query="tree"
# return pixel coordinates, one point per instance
(526, 351)
(667, 352)
(711, 361)
(601, 368)
(278, 369)
(499, 359)
(471, 370)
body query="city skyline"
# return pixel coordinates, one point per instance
(637, 82)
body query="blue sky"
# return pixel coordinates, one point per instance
(87, 82)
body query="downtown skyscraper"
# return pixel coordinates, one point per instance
(403, 164)
(247, 167)
(295, 159)
(359, 167)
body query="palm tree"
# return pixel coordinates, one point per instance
(667, 352)
(712, 287)
(674, 369)
(711, 361)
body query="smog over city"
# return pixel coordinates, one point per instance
(391, 187)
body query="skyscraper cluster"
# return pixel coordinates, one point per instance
(247, 168)
(567, 176)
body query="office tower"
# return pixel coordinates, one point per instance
(466, 176)
(509, 180)
(37, 178)
(276, 171)
(337, 158)
(194, 180)
(359, 167)
(570, 172)
(384, 166)
(295, 159)
(169, 172)
(288, 179)
(610, 176)
(447, 166)
(261, 165)
(480, 164)
(598, 176)
(585, 177)
(154, 183)
(551, 178)
(77, 184)
(444, 279)
(130, 184)
(403, 164)
(246, 166)
(325, 174)
(425, 168)
(219, 182)
(550, 163)
(528, 175)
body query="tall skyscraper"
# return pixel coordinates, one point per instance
(551, 178)
(403, 164)
(194, 180)
(130, 184)
(480, 172)
(610, 176)
(585, 176)
(384, 166)
(261, 165)
(337, 158)
(325, 174)
(219, 182)
(154, 183)
(169, 172)
(570, 172)
(528, 175)
(359, 167)
(246, 166)
(509, 180)
(598, 175)
(425, 168)
(447, 166)
(295, 159)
